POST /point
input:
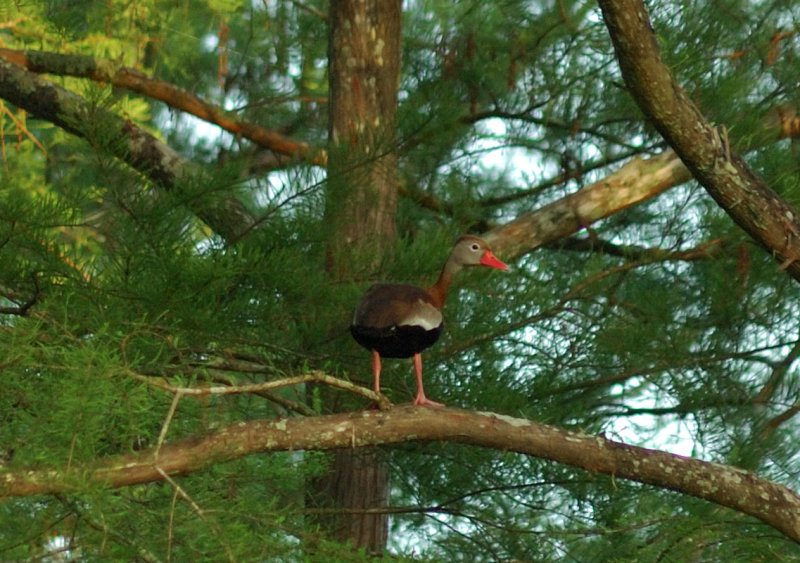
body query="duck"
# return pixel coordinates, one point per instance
(398, 320)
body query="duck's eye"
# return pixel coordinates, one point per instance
(475, 246)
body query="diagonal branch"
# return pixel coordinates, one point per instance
(637, 181)
(727, 486)
(82, 66)
(779, 371)
(705, 149)
(139, 149)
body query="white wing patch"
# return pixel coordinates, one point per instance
(424, 315)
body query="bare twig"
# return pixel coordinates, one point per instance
(313, 377)
(702, 251)
(165, 427)
(200, 512)
(778, 372)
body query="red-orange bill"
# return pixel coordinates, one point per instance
(489, 259)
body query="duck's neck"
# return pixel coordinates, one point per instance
(438, 291)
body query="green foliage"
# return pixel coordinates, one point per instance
(109, 285)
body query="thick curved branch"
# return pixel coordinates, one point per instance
(727, 486)
(705, 150)
(82, 66)
(637, 181)
(129, 143)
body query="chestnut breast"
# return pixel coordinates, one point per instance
(396, 320)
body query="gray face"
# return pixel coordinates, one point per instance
(468, 251)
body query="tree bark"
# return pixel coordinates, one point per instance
(364, 74)
(356, 488)
(705, 149)
(743, 491)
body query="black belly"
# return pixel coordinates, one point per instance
(396, 341)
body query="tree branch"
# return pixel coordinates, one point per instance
(131, 144)
(82, 66)
(705, 149)
(637, 181)
(241, 389)
(727, 486)
(779, 371)
(703, 251)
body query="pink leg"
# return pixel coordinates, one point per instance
(376, 371)
(421, 399)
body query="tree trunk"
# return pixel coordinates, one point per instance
(357, 480)
(364, 59)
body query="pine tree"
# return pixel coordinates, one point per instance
(191, 203)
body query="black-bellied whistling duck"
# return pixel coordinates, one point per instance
(396, 320)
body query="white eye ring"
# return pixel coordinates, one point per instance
(475, 246)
